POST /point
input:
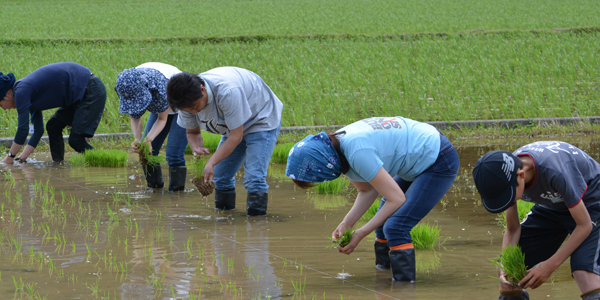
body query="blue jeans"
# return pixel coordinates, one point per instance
(175, 145)
(422, 195)
(256, 149)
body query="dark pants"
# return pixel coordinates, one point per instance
(83, 117)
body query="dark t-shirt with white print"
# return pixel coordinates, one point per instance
(565, 175)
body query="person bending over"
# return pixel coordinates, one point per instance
(411, 164)
(79, 95)
(564, 183)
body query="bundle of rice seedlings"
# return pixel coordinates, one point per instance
(104, 158)
(512, 262)
(425, 236)
(204, 188)
(343, 240)
(77, 160)
(281, 152)
(523, 207)
(145, 155)
(332, 187)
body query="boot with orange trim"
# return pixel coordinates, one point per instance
(382, 254)
(402, 262)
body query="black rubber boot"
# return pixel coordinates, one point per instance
(177, 176)
(154, 177)
(402, 263)
(591, 295)
(518, 295)
(256, 204)
(382, 255)
(225, 200)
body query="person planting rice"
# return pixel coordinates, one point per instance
(564, 183)
(411, 164)
(142, 89)
(79, 95)
(237, 104)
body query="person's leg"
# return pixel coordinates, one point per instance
(176, 155)
(382, 250)
(224, 177)
(154, 174)
(55, 127)
(585, 261)
(422, 195)
(88, 113)
(259, 148)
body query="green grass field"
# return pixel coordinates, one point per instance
(333, 62)
(213, 18)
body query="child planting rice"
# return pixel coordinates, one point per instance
(564, 183)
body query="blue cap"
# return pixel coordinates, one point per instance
(495, 176)
(6, 83)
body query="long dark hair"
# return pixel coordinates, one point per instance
(335, 142)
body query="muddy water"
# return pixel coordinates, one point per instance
(86, 233)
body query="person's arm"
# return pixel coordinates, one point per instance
(136, 127)
(512, 234)
(37, 119)
(537, 275)
(382, 184)
(158, 126)
(513, 227)
(226, 148)
(20, 136)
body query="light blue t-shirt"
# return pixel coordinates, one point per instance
(401, 146)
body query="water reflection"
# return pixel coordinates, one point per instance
(149, 244)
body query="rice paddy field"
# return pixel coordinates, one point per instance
(333, 62)
(73, 232)
(78, 231)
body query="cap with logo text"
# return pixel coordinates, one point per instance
(495, 176)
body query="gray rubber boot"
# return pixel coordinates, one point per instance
(382, 255)
(403, 265)
(225, 200)
(177, 176)
(154, 176)
(256, 204)
(522, 295)
(591, 295)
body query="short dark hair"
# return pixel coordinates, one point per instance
(183, 89)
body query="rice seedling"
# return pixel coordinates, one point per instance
(343, 240)
(145, 155)
(512, 262)
(204, 188)
(280, 153)
(425, 236)
(332, 187)
(523, 207)
(105, 158)
(77, 160)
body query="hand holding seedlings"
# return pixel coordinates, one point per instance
(537, 275)
(136, 146)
